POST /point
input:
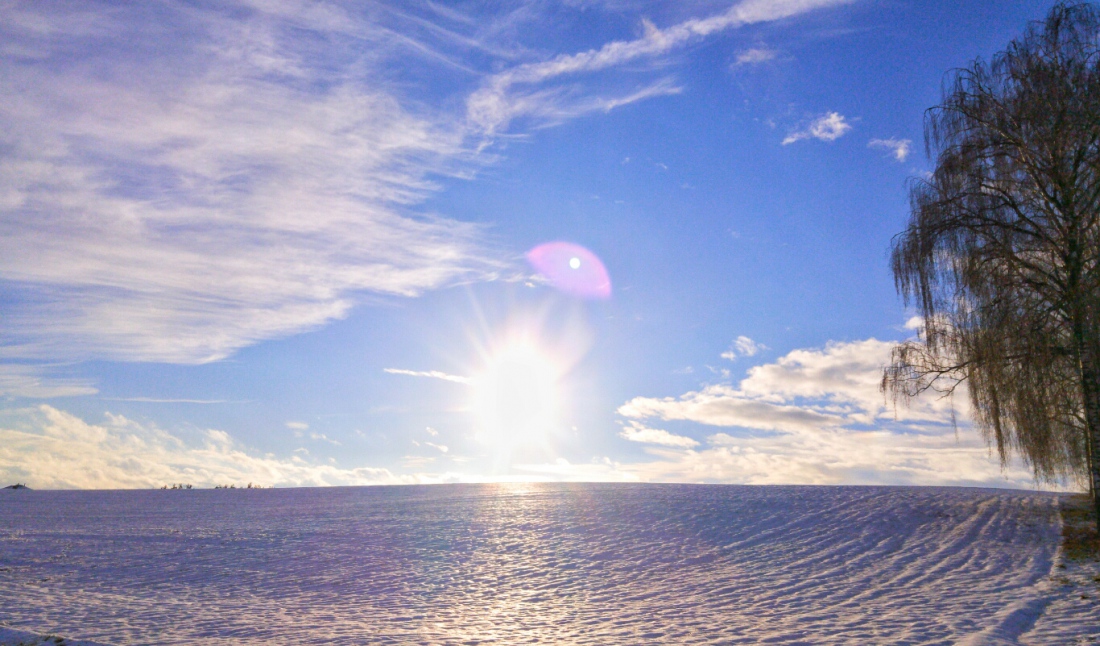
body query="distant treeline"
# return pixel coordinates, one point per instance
(226, 486)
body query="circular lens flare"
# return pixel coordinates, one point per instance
(571, 269)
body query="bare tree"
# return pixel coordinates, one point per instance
(1002, 252)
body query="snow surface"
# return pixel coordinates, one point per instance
(547, 563)
(10, 637)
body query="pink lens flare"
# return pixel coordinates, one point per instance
(571, 269)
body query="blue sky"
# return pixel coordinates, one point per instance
(284, 242)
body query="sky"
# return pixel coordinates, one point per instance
(296, 243)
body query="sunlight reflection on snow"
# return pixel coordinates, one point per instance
(516, 563)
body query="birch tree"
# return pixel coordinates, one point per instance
(1001, 256)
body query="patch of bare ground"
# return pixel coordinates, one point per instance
(1080, 541)
(1072, 614)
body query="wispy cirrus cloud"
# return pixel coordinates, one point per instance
(179, 182)
(20, 380)
(177, 187)
(828, 127)
(521, 91)
(431, 374)
(755, 56)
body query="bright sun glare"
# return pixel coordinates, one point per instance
(515, 397)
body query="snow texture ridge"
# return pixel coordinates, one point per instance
(553, 563)
(9, 637)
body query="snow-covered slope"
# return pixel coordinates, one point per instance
(557, 564)
(10, 637)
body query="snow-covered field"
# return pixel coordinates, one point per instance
(545, 563)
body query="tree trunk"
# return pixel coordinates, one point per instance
(1090, 389)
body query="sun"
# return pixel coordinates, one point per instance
(515, 397)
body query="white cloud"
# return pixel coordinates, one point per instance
(828, 127)
(724, 373)
(442, 448)
(172, 400)
(50, 449)
(817, 416)
(743, 346)
(498, 102)
(665, 87)
(174, 189)
(755, 55)
(233, 185)
(636, 432)
(899, 147)
(805, 389)
(297, 426)
(432, 374)
(832, 457)
(837, 458)
(20, 380)
(845, 377)
(321, 437)
(721, 405)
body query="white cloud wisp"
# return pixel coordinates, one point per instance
(19, 380)
(755, 56)
(828, 127)
(431, 374)
(636, 432)
(519, 92)
(899, 148)
(743, 346)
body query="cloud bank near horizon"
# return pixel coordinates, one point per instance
(813, 416)
(49, 448)
(816, 416)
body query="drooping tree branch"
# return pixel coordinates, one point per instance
(1002, 253)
